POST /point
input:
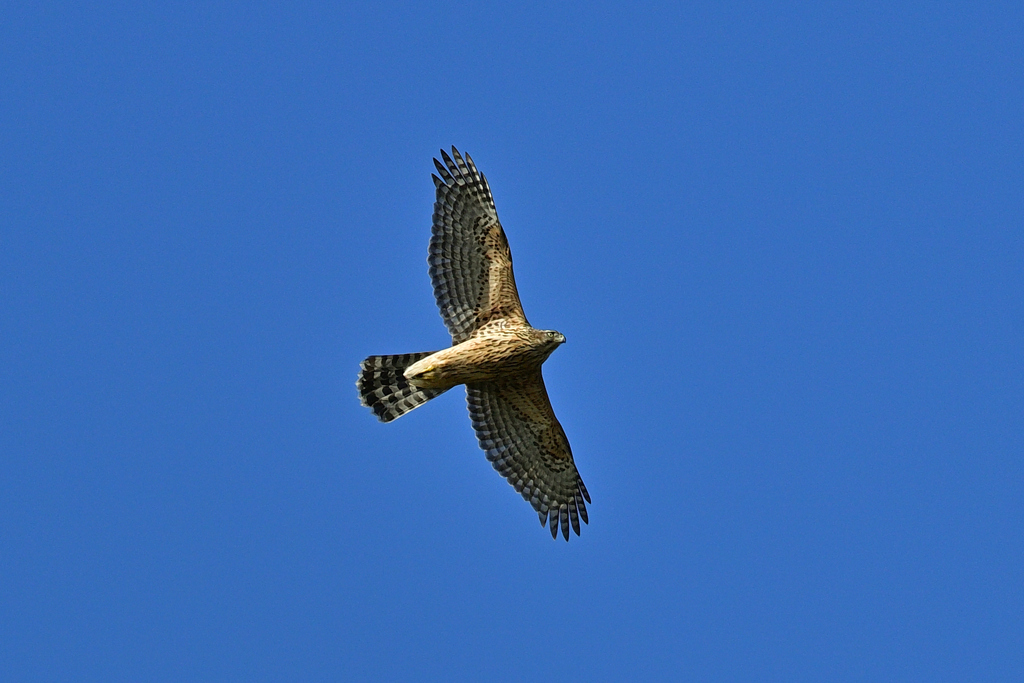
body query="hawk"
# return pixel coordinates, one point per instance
(495, 352)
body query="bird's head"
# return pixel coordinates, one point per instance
(550, 339)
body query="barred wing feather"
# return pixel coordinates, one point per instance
(517, 428)
(470, 261)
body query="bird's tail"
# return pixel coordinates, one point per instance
(384, 389)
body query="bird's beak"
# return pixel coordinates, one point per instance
(561, 338)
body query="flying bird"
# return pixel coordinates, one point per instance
(495, 352)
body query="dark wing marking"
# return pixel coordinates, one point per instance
(517, 428)
(470, 261)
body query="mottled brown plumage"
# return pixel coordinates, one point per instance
(495, 353)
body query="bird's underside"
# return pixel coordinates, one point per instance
(495, 353)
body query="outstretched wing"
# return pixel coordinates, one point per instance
(470, 262)
(517, 428)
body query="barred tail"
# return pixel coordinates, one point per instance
(384, 389)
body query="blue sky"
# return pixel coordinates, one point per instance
(784, 242)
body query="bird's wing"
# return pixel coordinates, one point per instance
(470, 262)
(517, 428)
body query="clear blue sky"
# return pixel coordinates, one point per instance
(784, 242)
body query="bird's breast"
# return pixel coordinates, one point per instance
(479, 359)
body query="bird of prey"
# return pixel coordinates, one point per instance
(495, 353)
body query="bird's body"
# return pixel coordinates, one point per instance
(495, 352)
